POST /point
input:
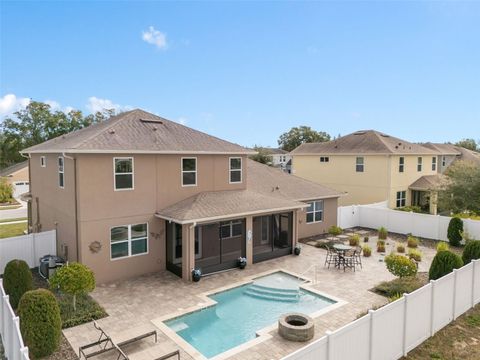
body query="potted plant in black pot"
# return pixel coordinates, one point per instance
(242, 262)
(297, 249)
(196, 275)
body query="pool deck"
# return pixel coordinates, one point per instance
(134, 305)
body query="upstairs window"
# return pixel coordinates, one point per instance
(123, 173)
(434, 163)
(401, 164)
(235, 170)
(189, 171)
(43, 161)
(444, 161)
(401, 198)
(324, 159)
(359, 165)
(315, 212)
(61, 172)
(419, 163)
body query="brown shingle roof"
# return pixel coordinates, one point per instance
(363, 142)
(13, 168)
(268, 190)
(460, 152)
(273, 151)
(138, 131)
(428, 182)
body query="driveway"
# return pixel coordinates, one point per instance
(14, 213)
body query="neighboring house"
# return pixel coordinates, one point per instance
(371, 167)
(449, 153)
(17, 175)
(280, 157)
(138, 193)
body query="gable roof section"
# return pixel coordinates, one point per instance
(428, 182)
(460, 152)
(364, 142)
(273, 151)
(138, 131)
(10, 170)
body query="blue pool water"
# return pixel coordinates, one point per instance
(242, 311)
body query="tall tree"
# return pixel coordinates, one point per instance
(262, 155)
(38, 123)
(461, 191)
(470, 144)
(300, 135)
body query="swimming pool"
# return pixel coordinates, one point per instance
(242, 311)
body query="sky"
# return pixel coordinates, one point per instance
(249, 71)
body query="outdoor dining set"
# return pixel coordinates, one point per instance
(343, 256)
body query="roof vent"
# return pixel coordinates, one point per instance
(152, 121)
(385, 135)
(111, 131)
(359, 133)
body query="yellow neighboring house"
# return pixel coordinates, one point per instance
(371, 167)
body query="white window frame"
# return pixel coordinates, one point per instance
(129, 173)
(362, 164)
(419, 164)
(434, 163)
(315, 210)
(189, 171)
(230, 170)
(129, 240)
(43, 161)
(61, 171)
(401, 198)
(401, 164)
(324, 159)
(444, 161)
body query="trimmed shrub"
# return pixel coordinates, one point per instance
(335, 230)
(412, 242)
(471, 251)
(354, 240)
(400, 266)
(17, 280)
(443, 246)
(40, 322)
(73, 279)
(399, 286)
(367, 251)
(443, 263)
(400, 248)
(455, 230)
(365, 239)
(415, 254)
(6, 190)
(382, 233)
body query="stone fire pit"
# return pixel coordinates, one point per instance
(296, 327)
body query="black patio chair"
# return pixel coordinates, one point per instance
(349, 259)
(332, 257)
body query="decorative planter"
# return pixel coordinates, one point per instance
(242, 262)
(196, 275)
(297, 250)
(296, 327)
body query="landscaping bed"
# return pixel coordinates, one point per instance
(399, 286)
(459, 340)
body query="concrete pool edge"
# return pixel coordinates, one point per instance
(262, 334)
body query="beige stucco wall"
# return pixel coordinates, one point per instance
(329, 219)
(339, 173)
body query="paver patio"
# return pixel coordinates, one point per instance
(133, 303)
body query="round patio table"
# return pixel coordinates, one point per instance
(341, 249)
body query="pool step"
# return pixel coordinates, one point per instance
(267, 293)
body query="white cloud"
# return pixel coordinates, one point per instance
(53, 105)
(155, 37)
(182, 120)
(96, 104)
(11, 103)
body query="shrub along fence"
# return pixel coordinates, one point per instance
(28, 248)
(427, 226)
(10, 330)
(393, 330)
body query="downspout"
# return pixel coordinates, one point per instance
(76, 203)
(29, 203)
(190, 228)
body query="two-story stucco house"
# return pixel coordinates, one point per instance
(138, 193)
(369, 166)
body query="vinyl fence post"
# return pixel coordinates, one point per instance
(16, 340)
(454, 316)
(370, 335)
(432, 308)
(474, 266)
(329, 345)
(405, 310)
(24, 353)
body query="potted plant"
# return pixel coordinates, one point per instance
(196, 275)
(242, 262)
(297, 249)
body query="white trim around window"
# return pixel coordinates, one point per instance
(43, 161)
(419, 163)
(401, 199)
(235, 170)
(185, 172)
(434, 163)
(360, 164)
(123, 173)
(128, 241)
(61, 172)
(314, 212)
(401, 164)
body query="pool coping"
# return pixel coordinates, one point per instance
(262, 335)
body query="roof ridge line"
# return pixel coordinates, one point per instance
(377, 134)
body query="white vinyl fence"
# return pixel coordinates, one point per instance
(28, 248)
(423, 225)
(10, 330)
(393, 330)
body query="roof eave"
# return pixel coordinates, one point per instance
(83, 151)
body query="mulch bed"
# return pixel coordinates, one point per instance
(64, 352)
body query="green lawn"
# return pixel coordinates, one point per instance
(13, 219)
(10, 207)
(11, 230)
